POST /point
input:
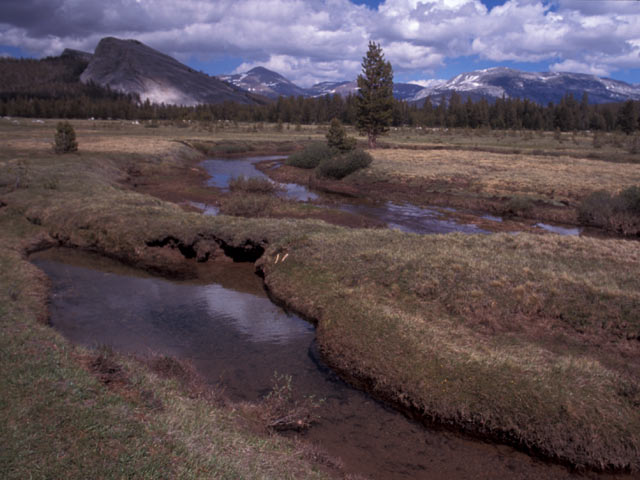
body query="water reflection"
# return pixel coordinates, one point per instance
(560, 230)
(411, 218)
(222, 171)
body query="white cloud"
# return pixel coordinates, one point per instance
(578, 67)
(316, 40)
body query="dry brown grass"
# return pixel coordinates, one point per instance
(529, 339)
(556, 178)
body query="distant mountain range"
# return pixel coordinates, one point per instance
(273, 85)
(132, 67)
(541, 88)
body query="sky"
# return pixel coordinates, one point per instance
(310, 41)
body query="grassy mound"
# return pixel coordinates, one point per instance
(527, 339)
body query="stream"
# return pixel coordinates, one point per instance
(236, 338)
(405, 217)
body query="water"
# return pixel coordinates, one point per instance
(222, 171)
(205, 208)
(560, 230)
(411, 218)
(236, 337)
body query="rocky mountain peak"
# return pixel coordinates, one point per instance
(130, 66)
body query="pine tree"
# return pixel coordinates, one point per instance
(375, 95)
(628, 118)
(65, 138)
(337, 137)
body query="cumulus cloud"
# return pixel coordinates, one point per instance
(579, 67)
(316, 40)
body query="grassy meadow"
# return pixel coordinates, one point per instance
(531, 340)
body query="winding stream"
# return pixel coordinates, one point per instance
(237, 339)
(405, 217)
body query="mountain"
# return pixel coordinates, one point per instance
(343, 88)
(406, 91)
(542, 88)
(129, 66)
(265, 82)
(77, 55)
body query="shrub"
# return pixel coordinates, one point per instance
(247, 205)
(597, 140)
(596, 208)
(342, 165)
(311, 156)
(631, 199)
(227, 148)
(619, 213)
(252, 185)
(634, 145)
(65, 138)
(518, 205)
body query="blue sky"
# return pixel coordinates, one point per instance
(319, 40)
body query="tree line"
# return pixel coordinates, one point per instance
(50, 88)
(505, 113)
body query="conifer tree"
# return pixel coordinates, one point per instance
(628, 118)
(337, 137)
(375, 95)
(65, 138)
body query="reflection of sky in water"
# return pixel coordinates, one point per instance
(256, 317)
(491, 218)
(207, 209)
(411, 218)
(222, 171)
(559, 230)
(240, 340)
(127, 309)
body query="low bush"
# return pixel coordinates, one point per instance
(518, 205)
(252, 185)
(311, 156)
(619, 213)
(247, 205)
(342, 165)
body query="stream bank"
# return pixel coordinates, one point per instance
(237, 339)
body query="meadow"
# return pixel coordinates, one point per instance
(530, 340)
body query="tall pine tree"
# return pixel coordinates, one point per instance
(375, 95)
